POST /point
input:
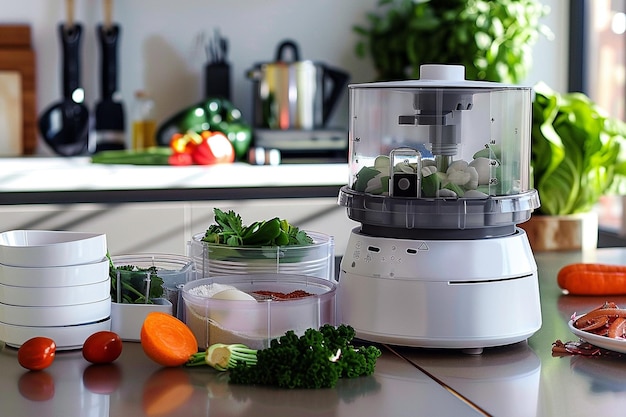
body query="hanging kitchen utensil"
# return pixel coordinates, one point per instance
(109, 114)
(64, 125)
(297, 94)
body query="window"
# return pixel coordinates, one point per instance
(597, 67)
(598, 52)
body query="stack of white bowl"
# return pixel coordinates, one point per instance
(53, 284)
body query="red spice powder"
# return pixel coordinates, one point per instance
(278, 296)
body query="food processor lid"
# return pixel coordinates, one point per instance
(440, 76)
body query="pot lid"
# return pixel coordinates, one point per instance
(440, 76)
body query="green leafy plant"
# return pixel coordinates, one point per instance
(578, 152)
(317, 359)
(492, 39)
(230, 230)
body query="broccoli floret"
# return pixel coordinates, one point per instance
(317, 359)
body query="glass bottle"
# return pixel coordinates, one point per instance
(144, 125)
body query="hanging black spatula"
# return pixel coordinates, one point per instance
(109, 113)
(64, 125)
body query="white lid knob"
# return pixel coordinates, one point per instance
(442, 72)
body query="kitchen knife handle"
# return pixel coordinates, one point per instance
(70, 44)
(108, 37)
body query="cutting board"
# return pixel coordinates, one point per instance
(17, 91)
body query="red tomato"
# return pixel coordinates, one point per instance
(102, 347)
(180, 159)
(37, 353)
(215, 148)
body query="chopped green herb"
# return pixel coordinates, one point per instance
(229, 230)
(133, 282)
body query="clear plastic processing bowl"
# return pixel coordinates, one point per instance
(175, 270)
(316, 260)
(255, 322)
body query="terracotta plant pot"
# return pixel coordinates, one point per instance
(562, 233)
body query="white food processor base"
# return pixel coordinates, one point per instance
(458, 294)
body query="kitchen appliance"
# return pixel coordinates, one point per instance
(293, 101)
(64, 125)
(439, 179)
(110, 122)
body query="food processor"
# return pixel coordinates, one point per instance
(439, 179)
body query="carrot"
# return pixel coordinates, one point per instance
(593, 279)
(167, 340)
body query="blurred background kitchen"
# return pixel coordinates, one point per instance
(162, 45)
(165, 45)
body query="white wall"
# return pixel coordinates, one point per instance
(158, 50)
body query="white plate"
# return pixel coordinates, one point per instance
(617, 345)
(55, 296)
(55, 316)
(55, 276)
(65, 337)
(41, 248)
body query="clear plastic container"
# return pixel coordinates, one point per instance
(175, 270)
(440, 153)
(317, 260)
(255, 322)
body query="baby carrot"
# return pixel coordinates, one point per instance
(593, 279)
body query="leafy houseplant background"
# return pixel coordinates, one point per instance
(578, 152)
(492, 39)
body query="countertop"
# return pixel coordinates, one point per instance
(523, 379)
(40, 180)
(135, 386)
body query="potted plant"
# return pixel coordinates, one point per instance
(578, 155)
(492, 39)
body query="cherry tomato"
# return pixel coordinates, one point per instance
(180, 159)
(36, 386)
(102, 347)
(215, 148)
(37, 353)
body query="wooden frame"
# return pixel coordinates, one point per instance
(16, 54)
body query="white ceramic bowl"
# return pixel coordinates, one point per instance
(55, 316)
(65, 337)
(55, 276)
(55, 296)
(42, 248)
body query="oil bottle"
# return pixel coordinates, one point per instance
(144, 124)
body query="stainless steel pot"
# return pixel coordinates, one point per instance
(295, 94)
